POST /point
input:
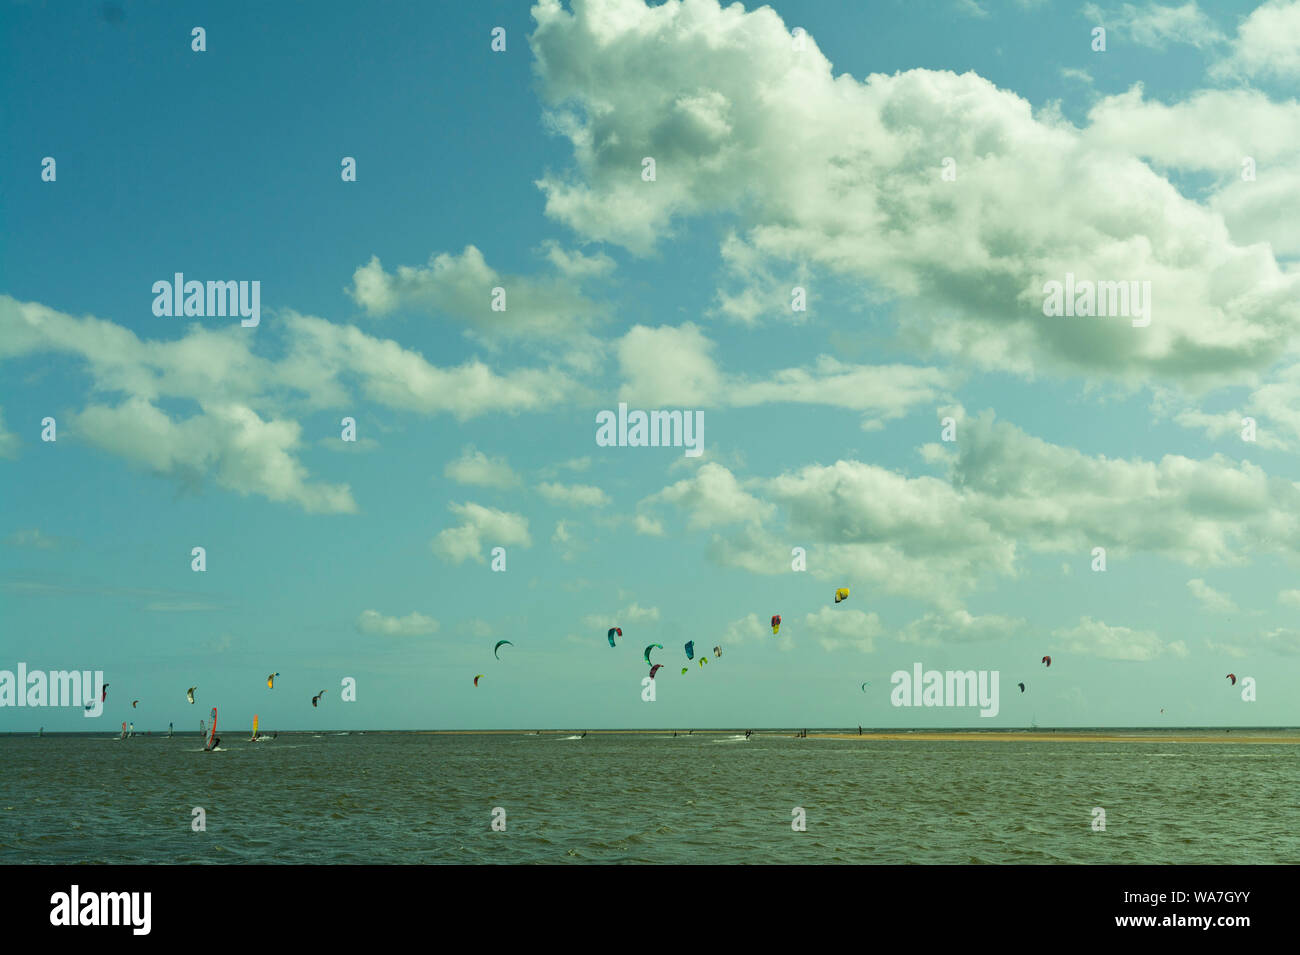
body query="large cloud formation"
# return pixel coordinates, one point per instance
(845, 175)
(242, 433)
(1000, 493)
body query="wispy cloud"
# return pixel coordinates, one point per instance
(412, 625)
(475, 467)
(480, 527)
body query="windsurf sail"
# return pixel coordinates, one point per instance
(212, 730)
(132, 727)
(123, 736)
(170, 730)
(254, 726)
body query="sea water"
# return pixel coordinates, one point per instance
(643, 798)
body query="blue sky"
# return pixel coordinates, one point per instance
(776, 167)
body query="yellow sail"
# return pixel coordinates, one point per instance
(254, 726)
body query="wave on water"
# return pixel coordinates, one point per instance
(570, 737)
(732, 739)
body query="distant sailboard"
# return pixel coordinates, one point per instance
(259, 737)
(211, 744)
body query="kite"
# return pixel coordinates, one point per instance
(500, 644)
(653, 646)
(842, 594)
(614, 631)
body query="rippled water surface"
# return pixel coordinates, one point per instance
(419, 798)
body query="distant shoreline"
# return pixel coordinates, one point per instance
(1254, 734)
(1065, 737)
(930, 736)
